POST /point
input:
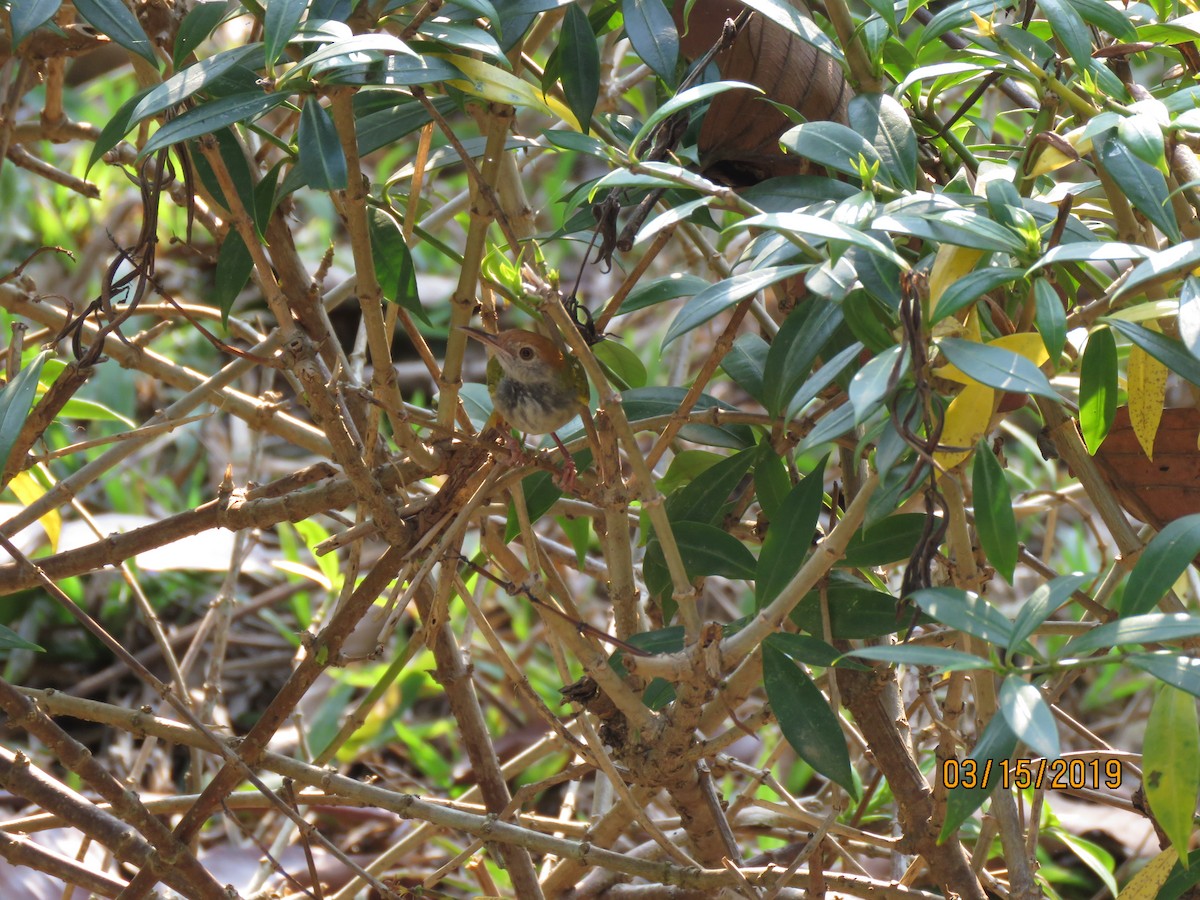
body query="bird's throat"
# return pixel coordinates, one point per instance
(535, 407)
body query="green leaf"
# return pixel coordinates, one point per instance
(468, 37)
(994, 519)
(1029, 716)
(16, 399)
(1182, 672)
(89, 410)
(745, 363)
(281, 18)
(673, 216)
(234, 267)
(118, 126)
(322, 163)
(394, 267)
(1110, 19)
(1180, 255)
(649, 402)
(662, 289)
(992, 751)
(1189, 314)
(1051, 318)
(830, 427)
(1147, 628)
(716, 298)
(789, 535)
(113, 18)
(795, 348)
(704, 499)
(811, 651)
(822, 378)
(789, 17)
(212, 116)
(967, 612)
(1167, 351)
(1144, 138)
(856, 610)
(888, 541)
(541, 493)
(28, 16)
(997, 368)
(815, 228)
(830, 144)
(971, 287)
(621, 362)
(941, 658)
(805, 718)
(10, 640)
(882, 121)
(196, 26)
(652, 33)
(1092, 855)
(683, 100)
(1090, 251)
(709, 550)
(959, 227)
(1098, 387)
(1171, 765)
(1068, 26)
(580, 70)
(1143, 184)
(1042, 603)
(876, 380)
(386, 126)
(1184, 875)
(185, 83)
(772, 483)
(342, 53)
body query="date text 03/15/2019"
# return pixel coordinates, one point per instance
(1058, 774)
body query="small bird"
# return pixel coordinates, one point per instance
(535, 386)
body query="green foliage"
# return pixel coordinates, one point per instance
(797, 375)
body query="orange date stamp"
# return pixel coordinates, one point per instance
(1057, 774)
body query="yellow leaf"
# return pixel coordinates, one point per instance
(1052, 158)
(950, 264)
(967, 420)
(1027, 344)
(970, 413)
(27, 490)
(1147, 385)
(492, 83)
(984, 25)
(1145, 884)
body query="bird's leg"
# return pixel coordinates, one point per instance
(567, 476)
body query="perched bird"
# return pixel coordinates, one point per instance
(535, 386)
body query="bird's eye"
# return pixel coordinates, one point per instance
(526, 353)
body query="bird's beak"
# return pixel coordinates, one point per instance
(482, 336)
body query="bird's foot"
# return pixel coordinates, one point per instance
(566, 477)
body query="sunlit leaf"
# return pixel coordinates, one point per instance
(16, 399)
(1029, 716)
(652, 33)
(718, 297)
(1171, 764)
(1146, 381)
(113, 18)
(1098, 388)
